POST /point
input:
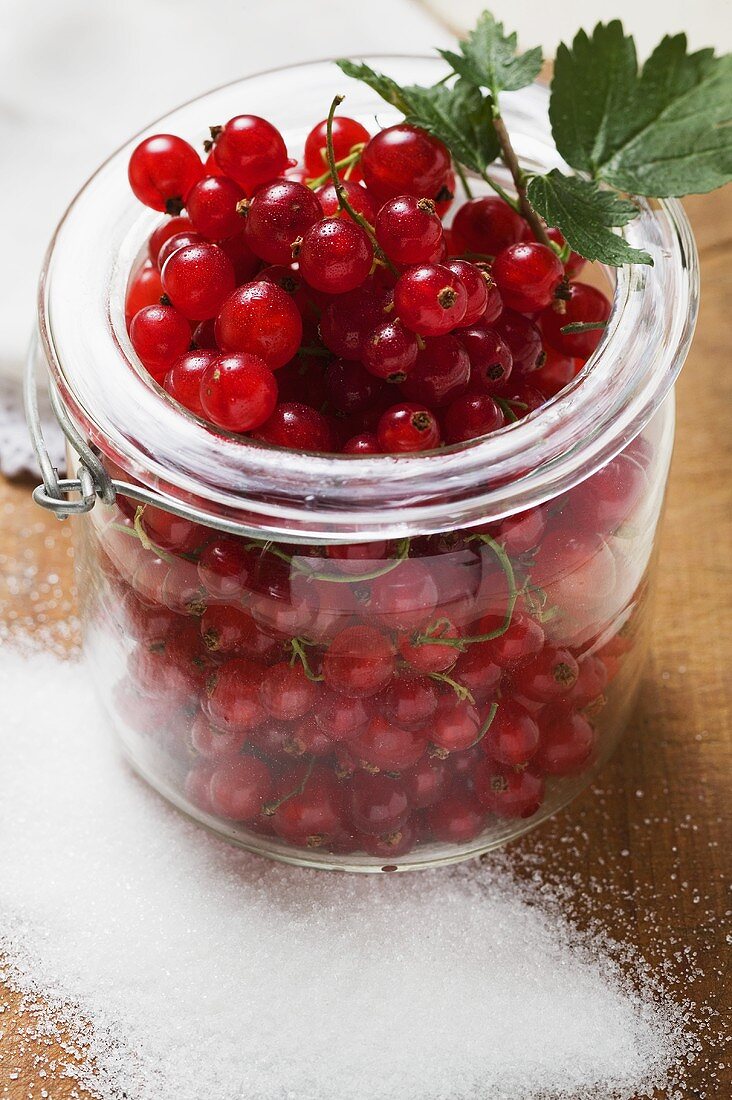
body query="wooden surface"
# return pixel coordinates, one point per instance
(647, 848)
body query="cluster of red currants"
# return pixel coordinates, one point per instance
(347, 317)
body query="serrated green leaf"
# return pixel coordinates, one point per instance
(662, 131)
(488, 58)
(586, 215)
(460, 116)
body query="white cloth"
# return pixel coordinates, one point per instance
(78, 77)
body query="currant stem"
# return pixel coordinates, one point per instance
(272, 807)
(486, 725)
(512, 202)
(341, 191)
(463, 693)
(346, 162)
(317, 575)
(506, 409)
(464, 180)
(510, 159)
(298, 653)
(139, 533)
(582, 326)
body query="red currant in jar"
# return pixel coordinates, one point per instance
(176, 241)
(404, 160)
(522, 639)
(240, 788)
(232, 696)
(197, 279)
(508, 792)
(476, 282)
(387, 747)
(389, 846)
(409, 701)
(426, 782)
(556, 372)
(527, 275)
(490, 359)
(350, 387)
(347, 321)
(212, 206)
(335, 256)
(262, 319)
(456, 724)
(346, 134)
(145, 289)
(406, 428)
(430, 299)
(390, 352)
(277, 215)
(523, 339)
(340, 717)
(250, 150)
(441, 373)
(456, 818)
(486, 226)
(472, 416)
(230, 631)
(377, 803)
(359, 662)
(206, 740)
(159, 335)
(404, 598)
(224, 567)
(424, 653)
(366, 443)
(246, 264)
(308, 806)
(297, 427)
(478, 672)
(286, 692)
(513, 737)
(238, 392)
(567, 742)
(546, 676)
(585, 305)
(162, 170)
(355, 194)
(183, 380)
(172, 532)
(167, 229)
(409, 231)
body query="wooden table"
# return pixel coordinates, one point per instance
(648, 846)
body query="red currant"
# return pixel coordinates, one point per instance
(390, 352)
(347, 321)
(507, 792)
(356, 195)
(471, 416)
(212, 207)
(286, 692)
(309, 806)
(250, 150)
(430, 656)
(224, 567)
(197, 279)
(456, 724)
(262, 319)
(162, 170)
(490, 359)
(430, 299)
(238, 392)
(350, 387)
(409, 231)
(176, 241)
(277, 215)
(387, 747)
(567, 742)
(232, 696)
(441, 373)
(404, 160)
(585, 305)
(366, 443)
(297, 427)
(406, 428)
(183, 380)
(346, 133)
(409, 701)
(556, 372)
(547, 675)
(335, 255)
(426, 782)
(523, 340)
(377, 803)
(145, 289)
(513, 737)
(486, 226)
(527, 275)
(167, 229)
(159, 335)
(240, 788)
(456, 818)
(359, 662)
(574, 264)
(214, 744)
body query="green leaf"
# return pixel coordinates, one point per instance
(662, 131)
(488, 58)
(586, 215)
(460, 116)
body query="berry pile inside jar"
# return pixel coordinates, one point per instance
(364, 698)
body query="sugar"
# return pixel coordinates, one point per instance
(179, 966)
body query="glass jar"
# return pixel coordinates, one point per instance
(372, 663)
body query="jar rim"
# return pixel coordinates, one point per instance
(271, 492)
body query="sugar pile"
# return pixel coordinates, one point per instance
(203, 971)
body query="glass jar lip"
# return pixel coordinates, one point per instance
(305, 496)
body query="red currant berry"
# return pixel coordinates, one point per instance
(183, 380)
(346, 133)
(359, 662)
(297, 427)
(246, 264)
(171, 532)
(404, 160)
(356, 195)
(490, 359)
(472, 416)
(486, 226)
(405, 428)
(232, 696)
(212, 207)
(523, 639)
(585, 305)
(167, 229)
(409, 701)
(176, 241)
(197, 279)
(426, 782)
(610, 495)
(212, 743)
(405, 597)
(224, 567)
(277, 216)
(145, 289)
(309, 806)
(230, 631)
(430, 299)
(377, 804)
(513, 736)
(390, 352)
(567, 742)
(348, 319)
(260, 318)
(335, 256)
(477, 671)
(387, 747)
(547, 675)
(340, 717)
(240, 788)
(286, 692)
(159, 335)
(441, 373)
(527, 276)
(523, 339)
(162, 170)
(591, 682)
(507, 792)
(350, 387)
(429, 655)
(456, 818)
(250, 150)
(409, 231)
(456, 725)
(389, 846)
(476, 281)
(366, 443)
(238, 392)
(556, 372)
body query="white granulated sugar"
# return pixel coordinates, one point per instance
(201, 971)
